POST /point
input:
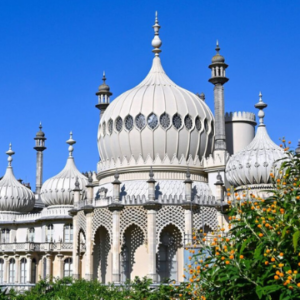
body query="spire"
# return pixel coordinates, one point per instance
(71, 142)
(156, 42)
(10, 153)
(40, 127)
(261, 105)
(217, 47)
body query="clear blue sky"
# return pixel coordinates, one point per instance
(52, 54)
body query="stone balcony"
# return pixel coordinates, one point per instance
(36, 247)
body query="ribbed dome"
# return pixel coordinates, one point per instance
(14, 196)
(157, 117)
(58, 190)
(254, 164)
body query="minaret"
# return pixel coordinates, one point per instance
(218, 79)
(103, 96)
(39, 147)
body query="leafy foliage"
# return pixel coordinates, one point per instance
(259, 258)
(69, 289)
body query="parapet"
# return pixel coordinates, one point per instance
(238, 116)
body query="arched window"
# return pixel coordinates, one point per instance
(23, 268)
(49, 233)
(1, 270)
(68, 267)
(12, 270)
(5, 233)
(33, 270)
(31, 234)
(68, 233)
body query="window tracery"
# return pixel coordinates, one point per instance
(129, 122)
(205, 125)
(152, 120)
(119, 124)
(140, 121)
(198, 123)
(110, 126)
(164, 120)
(177, 122)
(104, 128)
(188, 122)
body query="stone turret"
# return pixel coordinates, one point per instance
(240, 130)
(218, 79)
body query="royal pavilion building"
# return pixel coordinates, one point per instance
(165, 162)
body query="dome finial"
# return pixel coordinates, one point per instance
(40, 127)
(261, 105)
(217, 47)
(71, 142)
(104, 78)
(156, 42)
(10, 153)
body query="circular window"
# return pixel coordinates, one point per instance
(198, 123)
(119, 124)
(164, 120)
(110, 126)
(188, 122)
(140, 121)
(104, 128)
(205, 125)
(129, 122)
(177, 121)
(152, 121)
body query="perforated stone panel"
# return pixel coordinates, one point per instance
(171, 214)
(102, 217)
(205, 216)
(133, 215)
(81, 221)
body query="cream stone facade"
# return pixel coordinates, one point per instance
(165, 162)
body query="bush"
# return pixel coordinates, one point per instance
(259, 258)
(69, 289)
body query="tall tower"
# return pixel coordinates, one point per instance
(39, 147)
(103, 96)
(218, 79)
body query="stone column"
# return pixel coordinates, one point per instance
(39, 172)
(75, 249)
(60, 258)
(220, 137)
(188, 207)
(28, 272)
(18, 269)
(116, 208)
(152, 207)
(73, 214)
(89, 245)
(48, 266)
(6, 270)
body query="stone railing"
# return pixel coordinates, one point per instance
(39, 247)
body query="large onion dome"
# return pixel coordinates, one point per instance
(253, 165)
(14, 196)
(156, 118)
(58, 190)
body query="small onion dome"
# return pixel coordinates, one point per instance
(104, 88)
(40, 134)
(58, 190)
(218, 58)
(14, 196)
(253, 165)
